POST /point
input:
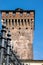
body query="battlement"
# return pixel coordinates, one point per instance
(18, 18)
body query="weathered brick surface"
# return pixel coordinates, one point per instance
(22, 35)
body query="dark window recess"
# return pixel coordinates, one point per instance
(31, 19)
(3, 19)
(31, 27)
(7, 28)
(9, 22)
(25, 21)
(16, 21)
(19, 21)
(12, 27)
(28, 22)
(22, 21)
(6, 21)
(19, 28)
(26, 28)
(12, 22)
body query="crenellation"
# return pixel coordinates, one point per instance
(28, 14)
(3, 13)
(18, 14)
(6, 22)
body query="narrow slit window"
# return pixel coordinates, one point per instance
(25, 21)
(12, 22)
(9, 22)
(19, 21)
(28, 22)
(6, 21)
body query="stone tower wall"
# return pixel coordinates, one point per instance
(21, 25)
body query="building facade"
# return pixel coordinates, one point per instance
(32, 62)
(21, 24)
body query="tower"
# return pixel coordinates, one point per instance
(21, 24)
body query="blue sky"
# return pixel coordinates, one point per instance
(37, 5)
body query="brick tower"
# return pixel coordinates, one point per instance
(21, 24)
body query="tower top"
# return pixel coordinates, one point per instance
(18, 10)
(18, 14)
(21, 24)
